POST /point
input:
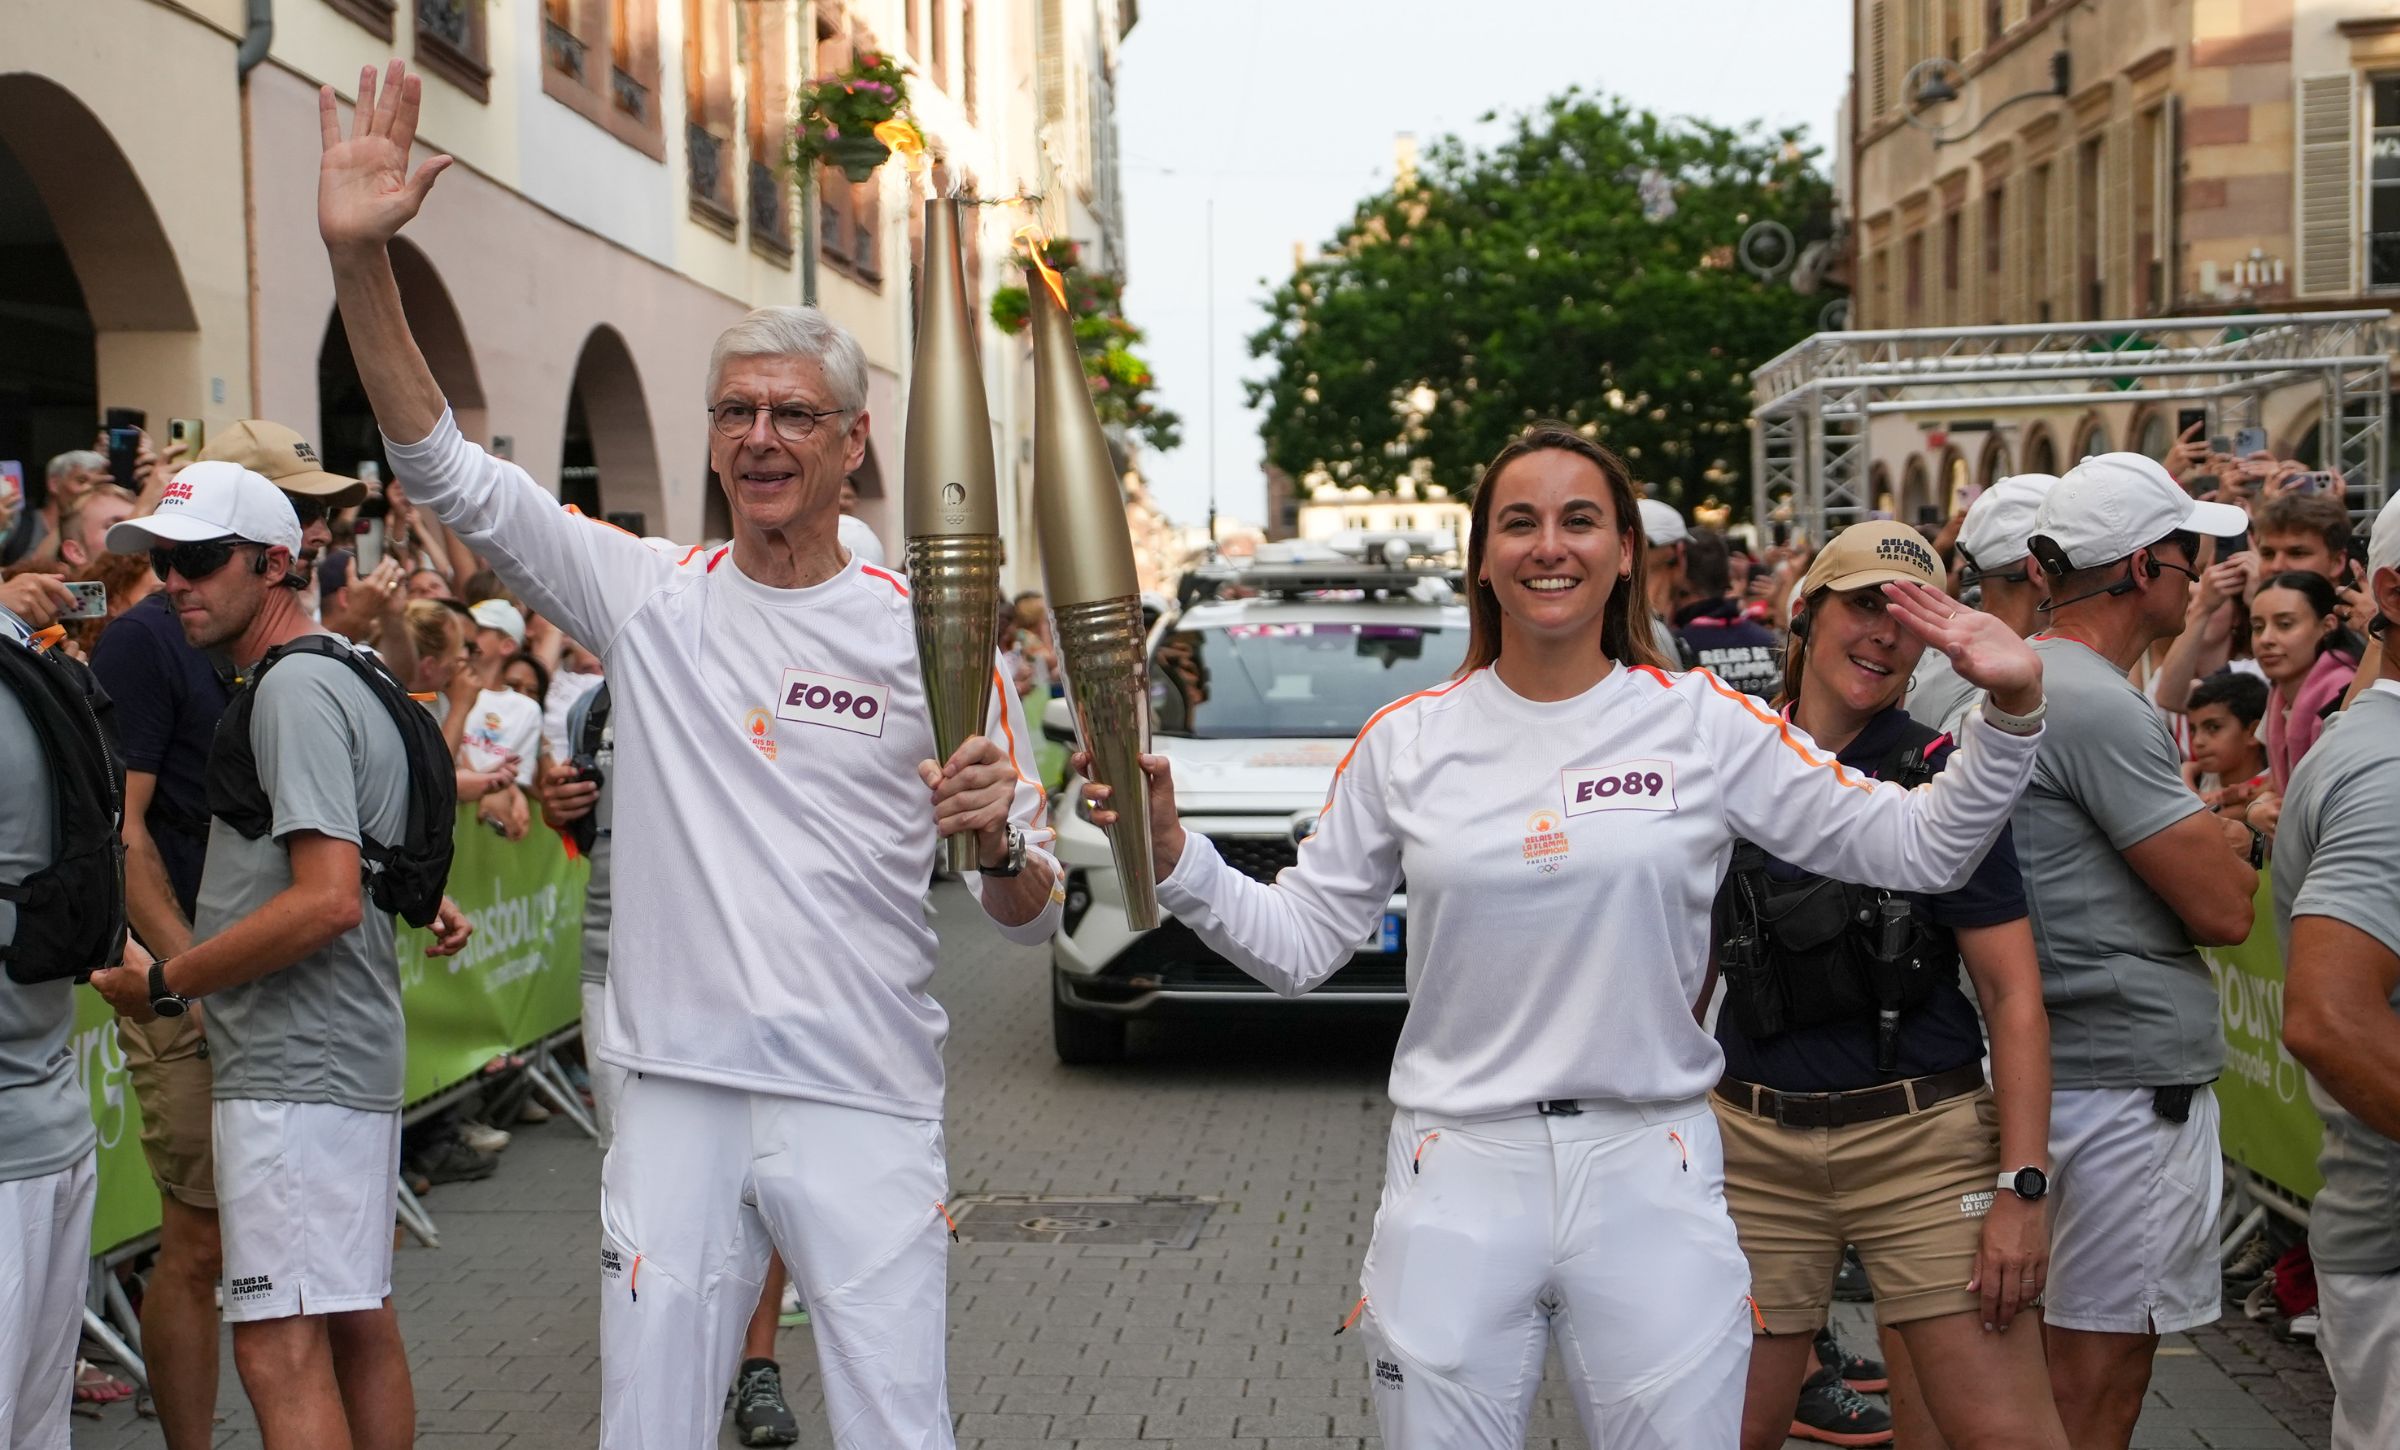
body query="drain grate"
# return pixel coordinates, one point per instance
(1163, 1221)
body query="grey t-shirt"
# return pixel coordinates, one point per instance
(1937, 696)
(45, 1117)
(2333, 858)
(326, 1029)
(595, 892)
(2131, 1004)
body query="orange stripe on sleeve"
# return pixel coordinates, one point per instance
(891, 579)
(1041, 805)
(1783, 732)
(1372, 720)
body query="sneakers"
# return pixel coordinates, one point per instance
(2248, 1267)
(1867, 1376)
(1850, 1280)
(533, 1112)
(483, 1137)
(450, 1160)
(760, 1417)
(1832, 1413)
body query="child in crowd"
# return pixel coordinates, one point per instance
(2228, 764)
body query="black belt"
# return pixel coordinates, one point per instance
(1863, 1105)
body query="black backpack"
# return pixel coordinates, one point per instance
(405, 879)
(71, 913)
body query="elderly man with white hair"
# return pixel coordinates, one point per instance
(777, 805)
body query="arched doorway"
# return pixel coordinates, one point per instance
(1950, 488)
(1994, 465)
(2091, 438)
(2153, 434)
(1916, 490)
(2041, 453)
(1879, 491)
(608, 459)
(346, 433)
(90, 288)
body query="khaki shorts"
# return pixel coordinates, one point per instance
(168, 1062)
(1910, 1192)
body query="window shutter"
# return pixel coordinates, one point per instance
(2117, 261)
(1879, 58)
(2327, 178)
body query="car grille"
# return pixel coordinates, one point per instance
(1260, 858)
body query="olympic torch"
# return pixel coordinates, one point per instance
(953, 506)
(1095, 603)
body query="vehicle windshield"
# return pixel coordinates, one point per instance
(1247, 681)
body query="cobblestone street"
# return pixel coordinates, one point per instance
(1229, 1344)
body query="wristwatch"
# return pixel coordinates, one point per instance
(1013, 860)
(2025, 724)
(2028, 1183)
(163, 1000)
(2258, 846)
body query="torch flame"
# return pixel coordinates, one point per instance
(904, 140)
(1035, 243)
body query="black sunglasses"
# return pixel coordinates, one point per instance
(195, 561)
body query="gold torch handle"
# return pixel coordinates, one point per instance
(1100, 646)
(954, 592)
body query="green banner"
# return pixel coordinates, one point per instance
(517, 981)
(128, 1206)
(2267, 1122)
(519, 977)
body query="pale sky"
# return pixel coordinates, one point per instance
(1284, 112)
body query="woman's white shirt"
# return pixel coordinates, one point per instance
(1561, 858)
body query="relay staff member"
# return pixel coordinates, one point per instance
(1563, 811)
(768, 949)
(2337, 908)
(1854, 1107)
(2126, 871)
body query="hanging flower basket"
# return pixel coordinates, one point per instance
(858, 156)
(839, 114)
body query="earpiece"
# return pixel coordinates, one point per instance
(1800, 619)
(259, 564)
(2150, 566)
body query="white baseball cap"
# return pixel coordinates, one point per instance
(501, 615)
(1993, 534)
(2383, 538)
(2111, 504)
(1661, 525)
(212, 500)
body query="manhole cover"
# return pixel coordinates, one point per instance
(1161, 1222)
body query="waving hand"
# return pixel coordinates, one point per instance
(365, 193)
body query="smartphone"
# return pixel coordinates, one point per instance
(2219, 443)
(370, 546)
(91, 600)
(125, 418)
(2249, 441)
(124, 451)
(2322, 481)
(12, 480)
(191, 433)
(2189, 419)
(1781, 532)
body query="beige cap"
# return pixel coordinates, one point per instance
(1874, 553)
(284, 459)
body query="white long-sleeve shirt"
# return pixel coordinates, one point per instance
(771, 838)
(1561, 857)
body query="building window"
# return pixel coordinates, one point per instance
(766, 191)
(1954, 305)
(1879, 58)
(909, 26)
(708, 111)
(2150, 162)
(2383, 183)
(600, 60)
(937, 36)
(1912, 276)
(450, 44)
(1995, 228)
(1954, 30)
(966, 56)
(1995, 21)
(375, 16)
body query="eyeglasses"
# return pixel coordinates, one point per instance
(195, 561)
(793, 423)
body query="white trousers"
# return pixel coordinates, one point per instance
(2360, 1338)
(1605, 1231)
(45, 1256)
(700, 1185)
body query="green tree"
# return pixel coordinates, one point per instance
(1124, 391)
(1548, 277)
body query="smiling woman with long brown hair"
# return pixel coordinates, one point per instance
(1563, 811)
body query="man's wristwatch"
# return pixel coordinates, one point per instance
(1012, 861)
(163, 1000)
(2028, 1183)
(2258, 846)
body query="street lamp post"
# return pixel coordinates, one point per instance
(1929, 83)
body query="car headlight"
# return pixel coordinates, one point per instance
(1079, 901)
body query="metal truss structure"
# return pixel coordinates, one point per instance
(1813, 404)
